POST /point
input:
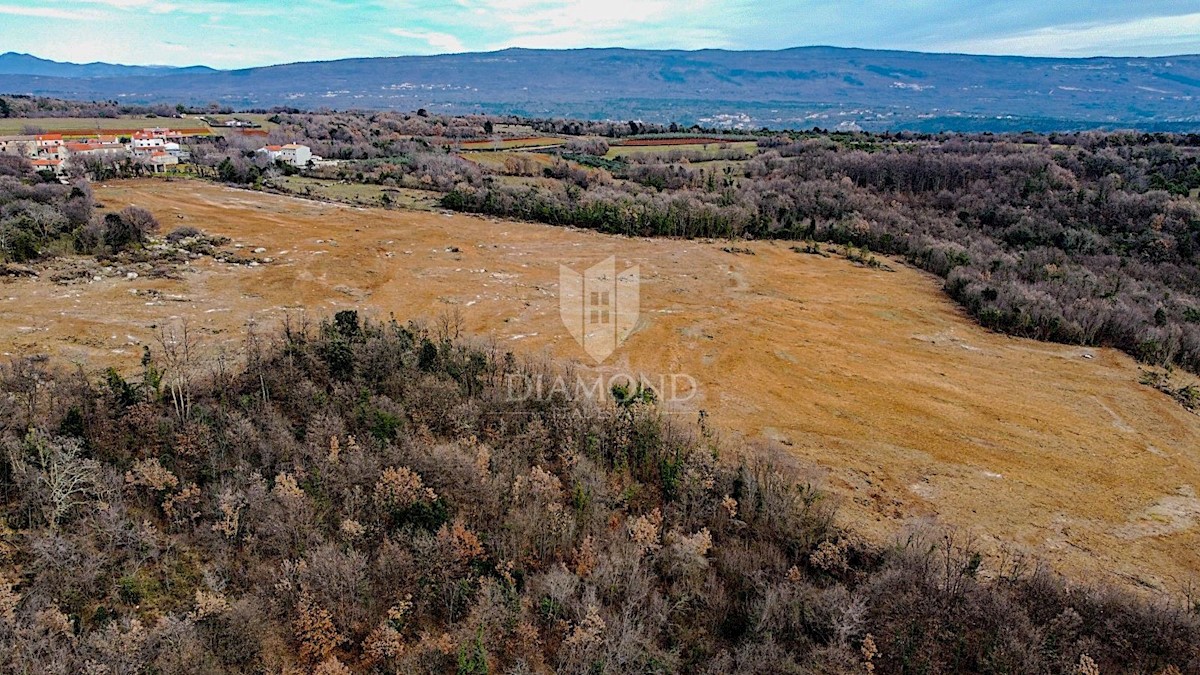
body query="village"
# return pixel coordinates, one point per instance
(155, 149)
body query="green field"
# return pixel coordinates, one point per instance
(708, 150)
(357, 193)
(11, 126)
(523, 130)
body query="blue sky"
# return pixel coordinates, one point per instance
(231, 34)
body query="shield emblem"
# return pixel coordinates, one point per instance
(599, 307)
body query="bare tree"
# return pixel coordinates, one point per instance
(62, 476)
(179, 348)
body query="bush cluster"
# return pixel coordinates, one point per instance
(39, 216)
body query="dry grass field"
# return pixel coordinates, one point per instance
(356, 194)
(512, 143)
(84, 126)
(496, 160)
(901, 406)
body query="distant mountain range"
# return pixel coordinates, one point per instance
(792, 88)
(12, 63)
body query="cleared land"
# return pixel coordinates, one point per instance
(496, 160)
(902, 406)
(711, 149)
(86, 126)
(357, 194)
(633, 142)
(512, 143)
(263, 120)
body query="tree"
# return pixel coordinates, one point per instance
(20, 247)
(142, 221)
(118, 233)
(5, 109)
(179, 355)
(228, 172)
(64, 475)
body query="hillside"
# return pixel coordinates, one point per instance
(797, 88)
(12, 63)
(872, 380)
(361, 495)
(314, 512)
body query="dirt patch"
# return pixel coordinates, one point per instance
(909, 410)
(511, 143)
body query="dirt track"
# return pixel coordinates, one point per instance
(911, 411)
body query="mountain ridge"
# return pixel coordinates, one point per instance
(798, 87)
(19, 63)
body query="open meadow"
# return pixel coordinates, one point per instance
(872, 380)
(705, 148)
(85, 126)
(498, 144)
(357, 194)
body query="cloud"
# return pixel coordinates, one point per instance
(50, 13)
(212, 7)
(438, 42)
(497, 24)
(1151, 36)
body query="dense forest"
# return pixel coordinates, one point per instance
(1086, 239)
(363, 497)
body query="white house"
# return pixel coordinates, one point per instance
(295, 154)
(147, 142)
(55, 165)
(49, 140)
(292, 153)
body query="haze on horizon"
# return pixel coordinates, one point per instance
(245, 33)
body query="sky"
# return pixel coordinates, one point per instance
(244, 33)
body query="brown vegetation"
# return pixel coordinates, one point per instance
(504, 536)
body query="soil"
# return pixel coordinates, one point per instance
(905, 410)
